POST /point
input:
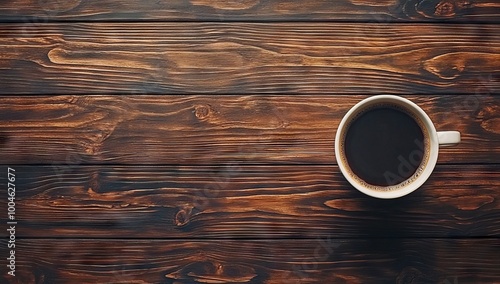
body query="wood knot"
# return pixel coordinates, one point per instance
(214, 272)
(227, 5)
(490, 120)
(450, 8)
(447, 66)
(469, 203)
(94, 182)
(445, 9)
(183, 216)
(50, 6)
(202, 112)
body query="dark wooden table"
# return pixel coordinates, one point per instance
(191, 141)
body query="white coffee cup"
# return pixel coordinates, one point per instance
(430, 148)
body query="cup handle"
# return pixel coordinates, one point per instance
(448, 138)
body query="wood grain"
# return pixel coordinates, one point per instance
(251, 10)
(242, 58)
(201, 130)
(229, 201)
(325, 260)
(117, 182)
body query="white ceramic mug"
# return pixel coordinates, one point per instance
(430, 148)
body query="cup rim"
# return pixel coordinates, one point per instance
(433, 147)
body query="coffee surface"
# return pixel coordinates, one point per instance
(384, 146)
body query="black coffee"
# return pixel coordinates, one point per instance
(384, 146)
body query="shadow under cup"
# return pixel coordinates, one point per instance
(386, 146)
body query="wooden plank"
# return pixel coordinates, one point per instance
(242, 58)
(201, 130)
(449, 261)
(269, 10)
(232, 201)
